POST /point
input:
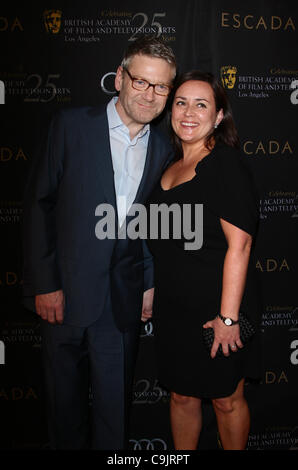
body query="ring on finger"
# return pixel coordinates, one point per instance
(233, 346)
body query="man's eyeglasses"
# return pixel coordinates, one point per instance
(142, 85)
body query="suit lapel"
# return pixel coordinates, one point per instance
(97, 134)
(98, 143)
(151, 170)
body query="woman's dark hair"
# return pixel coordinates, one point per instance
(226, 132)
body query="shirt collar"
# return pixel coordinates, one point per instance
(115, 120)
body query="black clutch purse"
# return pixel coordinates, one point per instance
(247, 330)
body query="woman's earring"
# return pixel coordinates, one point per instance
(215, 126)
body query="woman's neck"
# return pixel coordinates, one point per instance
(195, 152)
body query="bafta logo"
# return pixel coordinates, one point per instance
(228, 76)
(52, 21)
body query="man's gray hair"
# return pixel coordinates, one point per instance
(150, 46)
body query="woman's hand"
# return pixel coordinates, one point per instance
(234, 278)
(227, 336)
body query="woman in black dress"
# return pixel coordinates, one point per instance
(194, 287)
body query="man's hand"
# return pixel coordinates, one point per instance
(147, 304)
(50, 307)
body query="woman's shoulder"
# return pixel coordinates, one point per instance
(229, 159)
(234, 187)
(225, 154)
(232, 169)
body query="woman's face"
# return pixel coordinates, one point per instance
(194, 112)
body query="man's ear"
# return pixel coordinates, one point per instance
(119, 78)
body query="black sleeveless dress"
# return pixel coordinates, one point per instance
(188, 282)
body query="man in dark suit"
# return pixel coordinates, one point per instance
(91, 293)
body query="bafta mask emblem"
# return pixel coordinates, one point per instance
(228, 76)
(52, 20)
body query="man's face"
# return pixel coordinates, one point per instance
(141, 107)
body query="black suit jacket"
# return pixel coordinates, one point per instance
(71, 177)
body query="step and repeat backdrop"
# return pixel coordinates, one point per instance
(58, 53)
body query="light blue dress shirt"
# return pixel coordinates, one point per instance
(128, 158)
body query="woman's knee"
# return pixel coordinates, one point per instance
(228, 404)
(223, 405)
(185, 401)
